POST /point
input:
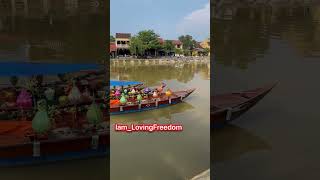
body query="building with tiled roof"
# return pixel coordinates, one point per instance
(177, 43)
(205, 44)
(123, 35)
(122, 42)
(113, 49)
(161, 41)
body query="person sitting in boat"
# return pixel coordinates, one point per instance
(160, 88)
(155, 94)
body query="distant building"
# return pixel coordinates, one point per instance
(123, 43)
(161, 41)
(113, 49)
(177, 44)
(121, 46)
(205, 44)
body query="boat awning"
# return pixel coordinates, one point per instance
(29, 69)
(124, 83)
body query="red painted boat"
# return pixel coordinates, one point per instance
(227, 107)
(149, 104)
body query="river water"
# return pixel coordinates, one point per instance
(257, 44)
(54, 31)
(166, 155)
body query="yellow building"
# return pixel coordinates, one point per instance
(123, 43)
(206, 44)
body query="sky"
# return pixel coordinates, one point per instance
(168, 18)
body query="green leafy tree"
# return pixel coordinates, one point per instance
(188, 44)
(206, 51)
(136, 46)
(168, 46)
(112, 39)
(150, 40)
(178, 51)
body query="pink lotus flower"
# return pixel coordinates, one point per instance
(24, 99)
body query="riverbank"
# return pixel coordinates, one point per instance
(170, 61)
(176, 58)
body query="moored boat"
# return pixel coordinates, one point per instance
(45, 122)
(148, 103)
(227, 107)
(17, 150)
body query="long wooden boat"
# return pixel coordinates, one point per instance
(165, 113)
(26, 152)
(68, 139)
(150, 104)
(227, 107)
(71, 136)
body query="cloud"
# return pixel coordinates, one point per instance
(197, 23)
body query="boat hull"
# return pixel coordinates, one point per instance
(151, 105)
(54, 151)
(223, 113)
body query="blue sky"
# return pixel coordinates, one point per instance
(168, 18)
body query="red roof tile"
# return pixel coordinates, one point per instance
(123, 35)
(161, 40)
(176, 42)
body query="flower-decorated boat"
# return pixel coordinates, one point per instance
(129, 97)
(44, 122)
(228, 107)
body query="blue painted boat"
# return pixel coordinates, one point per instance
(124, 83)
(30, 69)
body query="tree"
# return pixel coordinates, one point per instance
(188, 43)
(112, 39)
(136, 46)
(168, 46)
(178, 51)
(206, 51)
(150, 40)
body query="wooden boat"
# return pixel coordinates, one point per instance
(71, 136)
(68, 139)
(165, 113)
(227, 107)
(16, 150)
(151, 103)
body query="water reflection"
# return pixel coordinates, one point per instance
(152, 73)
(50, 30)
(243, 30)
(228, 143)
